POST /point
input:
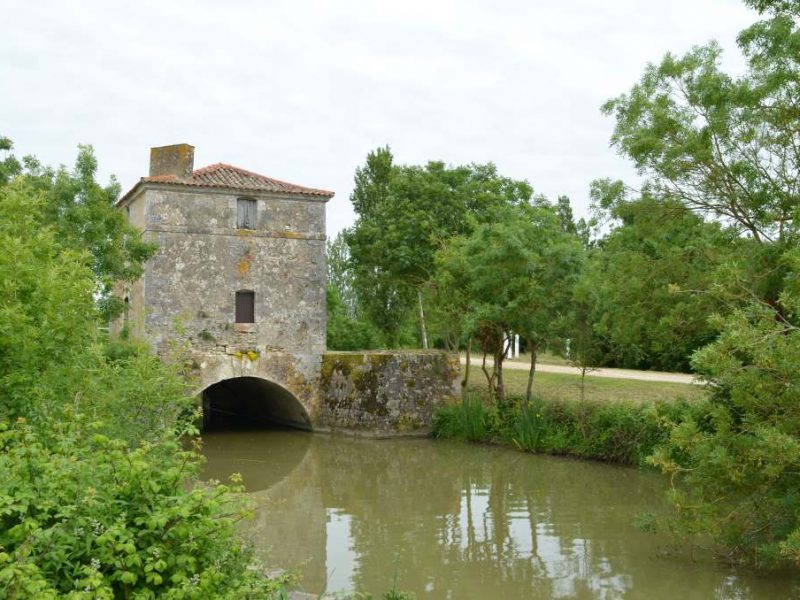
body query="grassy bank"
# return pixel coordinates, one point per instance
(566, 387)
(620, 432)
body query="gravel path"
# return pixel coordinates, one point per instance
(609, 373)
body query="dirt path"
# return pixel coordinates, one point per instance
(609, 373)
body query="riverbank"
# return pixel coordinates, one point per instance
(557, 386)
(619, 432)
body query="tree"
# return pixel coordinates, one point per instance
(340, 272)
(83, 216)
(727, 147)
(51, 347)
(406, 212)
(652, 280)
(511, 276)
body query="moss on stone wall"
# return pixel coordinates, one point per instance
(385, 391)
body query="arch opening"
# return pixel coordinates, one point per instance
(252, 402)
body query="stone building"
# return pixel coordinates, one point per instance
(239, 276)
(237, 289)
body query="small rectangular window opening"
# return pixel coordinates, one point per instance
(245, 306)
(245, 213)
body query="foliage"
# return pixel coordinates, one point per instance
(405, 213)
(83, 515)
(82, 215)
(510, 276)
(528, 426)
(648, 289)
(467, 420)
(50, 346)
(345, 332)
(727, 147)
(739, 468)
(46, 308)
(340, 273)
(619, 432)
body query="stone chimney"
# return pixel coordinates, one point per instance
(177, 160)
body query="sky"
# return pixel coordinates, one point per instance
(302, 90)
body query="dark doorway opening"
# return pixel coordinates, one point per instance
(253, 403)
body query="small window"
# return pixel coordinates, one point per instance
(245, 306)
(245, 213)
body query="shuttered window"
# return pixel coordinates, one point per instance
(245, 306)
(245, 213)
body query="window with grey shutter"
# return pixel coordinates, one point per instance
(245, 306)
(245, 213)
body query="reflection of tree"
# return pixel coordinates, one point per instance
(463, 521)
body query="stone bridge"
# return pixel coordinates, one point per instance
(237, 290)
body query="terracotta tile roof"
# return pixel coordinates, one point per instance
(220, 175)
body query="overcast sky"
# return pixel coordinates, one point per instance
(302, 90)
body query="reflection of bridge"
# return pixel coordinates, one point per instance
(237, 290)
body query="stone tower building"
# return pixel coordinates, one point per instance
(239, 278)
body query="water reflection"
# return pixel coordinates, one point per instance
(458, 521)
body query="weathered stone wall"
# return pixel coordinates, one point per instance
(384, 393)
(203, 259)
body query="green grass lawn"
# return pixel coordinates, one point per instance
(557, 386)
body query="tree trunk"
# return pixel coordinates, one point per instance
(534, 348)
(499, 387)
(583, 383)
(422, 327)
(465, 381)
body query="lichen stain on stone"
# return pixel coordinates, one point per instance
(390, 392)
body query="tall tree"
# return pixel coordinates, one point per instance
(652, 281)
(406, 212)
(728, 147)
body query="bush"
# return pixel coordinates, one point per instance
(83, 515)
(616, 432)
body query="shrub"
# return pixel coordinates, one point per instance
(83, 515)
(624, 433)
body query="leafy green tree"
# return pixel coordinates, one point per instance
(405, 213)
(346, 332)
(513, 276)
(652, 281)
(51, 347)
(9, 166)
(83, 216)
(340, 272)
(727, 147)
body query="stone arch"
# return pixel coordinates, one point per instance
(254, 400)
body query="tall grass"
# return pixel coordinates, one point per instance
(528, 426)
(622, 432)
(467, 420)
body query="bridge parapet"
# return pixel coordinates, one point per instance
(385, 393)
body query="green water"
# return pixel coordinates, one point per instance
(451, 520)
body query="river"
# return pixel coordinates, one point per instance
(446, 520)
